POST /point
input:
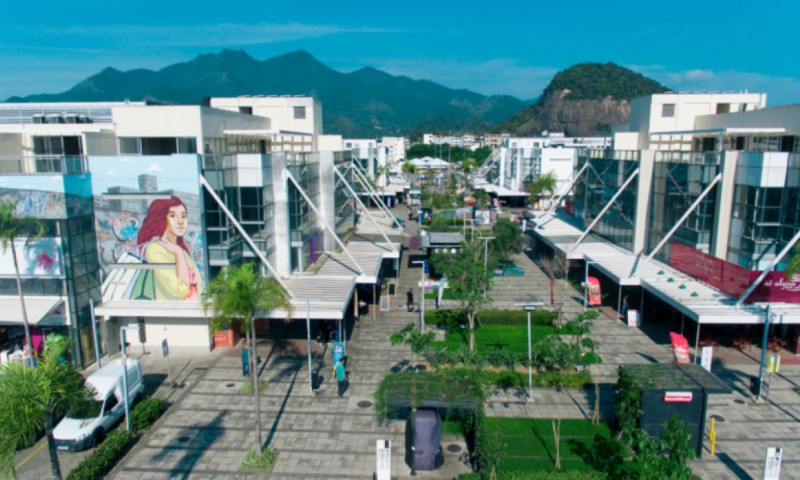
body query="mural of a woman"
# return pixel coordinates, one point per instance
(161, 239)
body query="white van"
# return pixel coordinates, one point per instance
(87, 427)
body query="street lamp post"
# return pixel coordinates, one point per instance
(529, 307)
(422, 295)
(122, 331)
(485, 256)
(308, 338)
(586, 285)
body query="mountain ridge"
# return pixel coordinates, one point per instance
(365, 102)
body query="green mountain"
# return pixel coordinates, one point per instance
(585, 99)
(364, 103)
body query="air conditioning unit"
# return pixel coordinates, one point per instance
(38, 119)
(71, 118)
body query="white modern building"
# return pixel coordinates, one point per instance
(143, 204)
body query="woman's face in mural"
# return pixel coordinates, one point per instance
(177, 220)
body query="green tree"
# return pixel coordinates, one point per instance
(508, 238)
(13, 227)
(467, 276)
(542, 185)
(34, 399)
(793, 267)
(240, 295)
(409, 167)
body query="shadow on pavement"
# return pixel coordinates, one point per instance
(734, 467)
(194, 441)
(290, 370)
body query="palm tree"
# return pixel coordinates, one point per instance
(240, 294)
(34, 398)
(543, 184)
(12, 227)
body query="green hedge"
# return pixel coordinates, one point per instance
(102, 460)
(98, 463)
(146, 412)
(515, 317)
(538, 475)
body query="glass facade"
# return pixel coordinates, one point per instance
(344, 205)
(678, 180)
(606, 173)
(303, 223)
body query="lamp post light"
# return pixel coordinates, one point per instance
(422, 263)
(529, 307)
(122, 331)
(586, 285)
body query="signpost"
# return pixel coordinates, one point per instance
(165, 353)
(772, 466)
(705, 357)
(773, 366)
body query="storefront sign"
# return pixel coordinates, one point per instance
(677, 397)
(726, 276)
(775, 288)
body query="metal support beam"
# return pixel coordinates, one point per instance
(569, 189)
(365, 182)
(358, 200)
(605, 209)
(683, 218)
(322, 221)
(769, 268)
(244, 234)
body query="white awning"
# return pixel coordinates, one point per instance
(37, 308)
(692, 297)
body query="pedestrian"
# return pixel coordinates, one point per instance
(341, 377)
(410, 213)
(245, 362)
(410, 300)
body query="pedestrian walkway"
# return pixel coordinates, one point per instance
(208, 429)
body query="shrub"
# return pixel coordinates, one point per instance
(247, 387)
(253, 463)
(538, 475)
(102, 460)
(146, 412)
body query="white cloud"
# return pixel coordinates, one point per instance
(111, 174)
(127, 160)
(154, 168)
(182, 35)
(780, 90)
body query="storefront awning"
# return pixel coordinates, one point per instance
(41, 310)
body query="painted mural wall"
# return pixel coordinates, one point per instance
(149, 228)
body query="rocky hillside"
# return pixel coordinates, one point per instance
(586, 99)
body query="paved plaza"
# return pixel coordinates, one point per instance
(209, 427)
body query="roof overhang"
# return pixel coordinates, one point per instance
(41, 311)
(725, 131)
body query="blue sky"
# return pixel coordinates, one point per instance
(505, 48)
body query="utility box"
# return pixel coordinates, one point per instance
(675, 389)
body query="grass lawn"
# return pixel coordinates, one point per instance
(529, 444)
(511, 338)
(447, 295)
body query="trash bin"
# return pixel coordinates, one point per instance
(755, 386)
(315, 378)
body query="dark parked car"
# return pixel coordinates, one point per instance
(423, 440)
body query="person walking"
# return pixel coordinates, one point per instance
(410, 300)
(245, 362)
(341, 376)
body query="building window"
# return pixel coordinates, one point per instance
(668, 110)
(129, 146)
(299, 112)
(246, 110)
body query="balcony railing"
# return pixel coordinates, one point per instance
(695, 158)
(609, 154)
(43, 164)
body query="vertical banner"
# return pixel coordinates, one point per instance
(593, 284)
(680, 347)
(706, 356)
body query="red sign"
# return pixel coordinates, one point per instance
(680, 347)
(569, 208)
(594, 291)
(720, 274)
(775, 288)
(678, 397)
